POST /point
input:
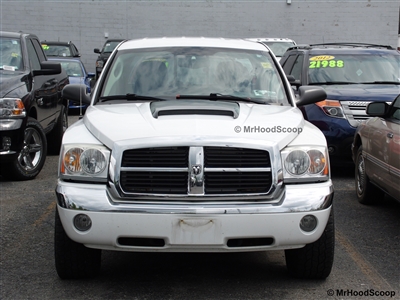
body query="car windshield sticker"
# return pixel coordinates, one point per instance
(325, 61)
(45, 47)
(266, 65)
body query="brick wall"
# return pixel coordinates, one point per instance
(85, 22)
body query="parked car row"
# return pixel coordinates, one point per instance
(223, 133)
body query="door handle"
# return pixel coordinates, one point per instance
(390, 135)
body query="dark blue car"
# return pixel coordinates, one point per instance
(77, 74)
(353, 75)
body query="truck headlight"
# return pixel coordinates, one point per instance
(306, 163)
(12, 108)
(84, 162)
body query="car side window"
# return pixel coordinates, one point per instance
(39, 50)
(33, 57)
(75, 50)
(395, 113)
(297, 67)
(288, 65)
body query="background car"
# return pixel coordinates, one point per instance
(376, 153)
(277, 45)
(33, 114)
(77, 74)
(60, 49)
(105, 52)
(353, 75)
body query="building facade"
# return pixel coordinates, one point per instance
(88, 23)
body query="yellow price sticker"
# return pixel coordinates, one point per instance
(266, 65)
(322, 57)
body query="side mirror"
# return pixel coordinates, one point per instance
(96, 50)
(76, 93)
(310, 95)
(48, 68)
(377, 109)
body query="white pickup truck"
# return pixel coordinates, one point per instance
(194, 145)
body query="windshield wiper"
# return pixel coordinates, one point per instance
(129, 97)
(333, 82)
(382, 82)
(218, 96)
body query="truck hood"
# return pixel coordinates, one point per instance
(271, 124)
(362, 92)
(9, 81)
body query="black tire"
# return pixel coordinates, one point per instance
(315, 260)
(54, 138)
(32, 157)
(73, 260)
(367, 193)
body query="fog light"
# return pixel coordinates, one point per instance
(82, 222)
(308, 223)
(6, 143)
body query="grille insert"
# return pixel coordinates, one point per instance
(154, 182)
(173, 157)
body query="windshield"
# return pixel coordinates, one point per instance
(56, 50)
(354, 68)
(10, 54)
(279, 48)
(72, 68)
(110, 46)
(168, 72)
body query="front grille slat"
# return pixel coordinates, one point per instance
(227, 170)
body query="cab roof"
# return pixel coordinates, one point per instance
(191, 42)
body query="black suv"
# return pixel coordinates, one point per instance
(353, 75)
(105, 52)
(33, 114)
(60, 49)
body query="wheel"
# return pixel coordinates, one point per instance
(73, 260)
(54, 138)
(367, 193)
(315, 260)
(32, 157)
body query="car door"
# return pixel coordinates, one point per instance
(380, 142)
(393, 135)
(44, 86)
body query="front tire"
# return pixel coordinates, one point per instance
(315, 260)
(73, 260)
(32, 156)
(367, 193)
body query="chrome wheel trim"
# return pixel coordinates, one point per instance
(361, 176)
(32, 151)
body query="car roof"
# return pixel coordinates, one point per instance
(56, 42)
(115, 40)
(286, 40)
(12, 34)
(192, 42)
(344, 48)
(64, 58)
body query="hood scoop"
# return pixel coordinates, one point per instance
(194, 107)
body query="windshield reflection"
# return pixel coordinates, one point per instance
(168, 72)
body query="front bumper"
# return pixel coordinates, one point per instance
(199, 227)
(11, 138)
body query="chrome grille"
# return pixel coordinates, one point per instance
(195, 171)
(355, 111)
